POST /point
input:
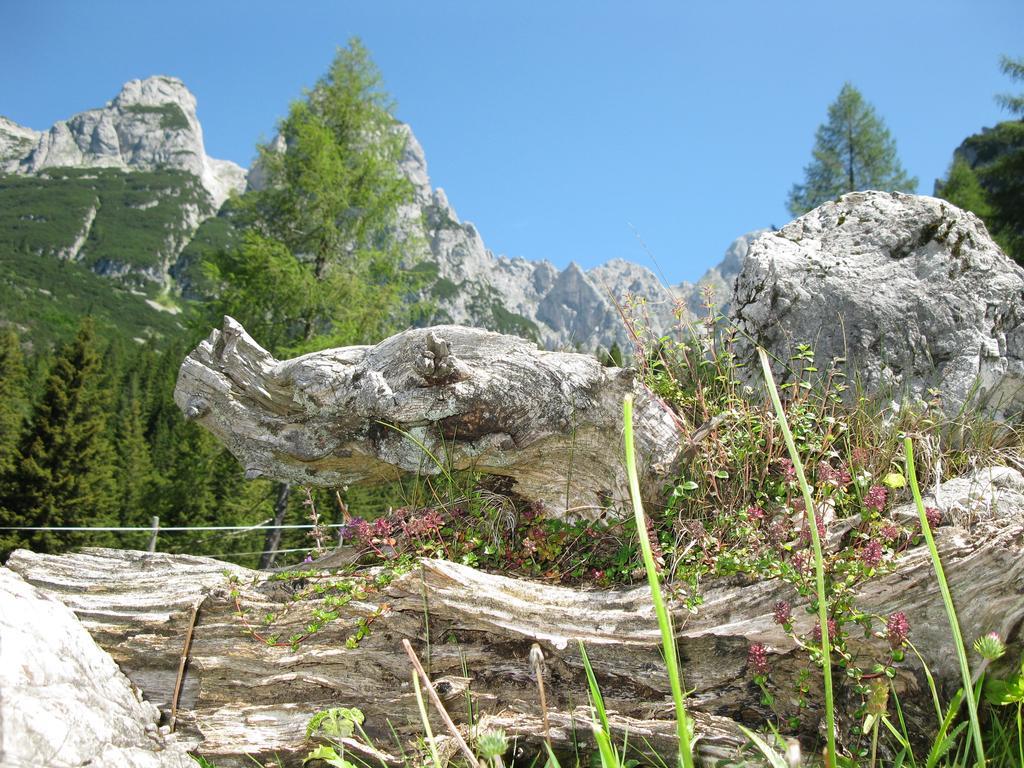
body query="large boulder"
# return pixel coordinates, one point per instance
(65, 702)
(910, 290)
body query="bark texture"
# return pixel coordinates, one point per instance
(242, 696)
(427, 401)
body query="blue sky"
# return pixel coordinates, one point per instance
(651, 131)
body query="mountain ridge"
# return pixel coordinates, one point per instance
(122, 173)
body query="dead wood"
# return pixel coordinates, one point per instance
(242, 696)
(428, 401)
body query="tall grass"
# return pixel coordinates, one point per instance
(819, 565)
(668, 643)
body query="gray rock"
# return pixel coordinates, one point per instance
(16, 141)
(983, 496)
(65, 702)
(910, 290)
(150, 124)
(561, 309)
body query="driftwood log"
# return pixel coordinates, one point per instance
(426, 401)
(242, 696)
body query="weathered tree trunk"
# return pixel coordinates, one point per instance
(243, 696)
(427, 401)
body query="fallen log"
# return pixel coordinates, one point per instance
(429, 401)
(259, 667)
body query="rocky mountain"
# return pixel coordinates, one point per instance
(150, 125)
(568, 308)
(126, 192)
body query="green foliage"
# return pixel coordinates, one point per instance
(63, 474)
(172, 118)
(319, 264)
(138, 217)
(963, 189)
(852, 151)
(987, 174)
(13, 398)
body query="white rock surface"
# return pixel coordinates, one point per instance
(64, 702)
(15, 142)
(150, 124)
(911, 290)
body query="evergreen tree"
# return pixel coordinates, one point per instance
(987, 174)
(134, 466)
(64, 474)
(13, 401)
(852, 151)
(320, 262)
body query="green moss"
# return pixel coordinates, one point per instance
(171, 116)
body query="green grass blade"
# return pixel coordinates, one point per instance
(775, 760)
(595, 692)
(434, 757)
(819, 566)
(664, 623)
(947, 599)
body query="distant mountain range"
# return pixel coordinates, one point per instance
(124, 196)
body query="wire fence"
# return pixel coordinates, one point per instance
(155, 529)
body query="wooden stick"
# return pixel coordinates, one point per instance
(439, 706)
(184, 660)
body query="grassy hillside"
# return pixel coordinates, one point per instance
(93, 241)
(124, 222)
(44, 298)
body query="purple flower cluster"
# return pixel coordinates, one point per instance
(876, 497)
(833, 630)
(788, 470)
(783, 613)
(755, 513)
(934, 516)
(425, 524)
(831, 476)
(757, 659)
(897, 629)
(871, 554)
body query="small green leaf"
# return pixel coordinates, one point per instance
(689, 485)
(894, 480)
(329, 756)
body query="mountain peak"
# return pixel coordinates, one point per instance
(151, 124)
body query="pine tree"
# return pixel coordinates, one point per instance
(987, 174)
(852, 151)
(319, 263)
(64, 474)
(134, 467)
(13, 400)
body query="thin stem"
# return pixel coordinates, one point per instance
(664, 623)
(947, 599)
(436, 700)
(819, 565)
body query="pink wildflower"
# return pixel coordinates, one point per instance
(897, 629)
(757, 659)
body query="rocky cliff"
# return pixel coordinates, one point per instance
(568, 308)
(127, 192)
(150, 125)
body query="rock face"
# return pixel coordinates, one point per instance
(15, 141)
(65, 702)
(151, 124)
(910, 290)
(561, 309)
